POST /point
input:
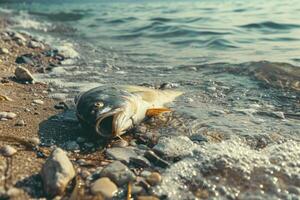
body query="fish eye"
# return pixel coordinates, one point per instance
(99, 104)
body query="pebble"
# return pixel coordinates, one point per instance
(34, 141)
(147, 198)
(20, 122)
(57, 172)
(23, 74)
(136, 189)
(33, 44)
(173, 147)
(105, 187)
(120, 143)
(8, 151)
(18, 36)
(118, 173)
(38, 101)
(71, 146)
(121, 154)
(14, 193)
(7, 115)
(4, 51)
(145, 173)
(154, 178)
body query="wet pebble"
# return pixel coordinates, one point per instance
(8, 151)
(25, 59)
(136, 189)
(7, 115)
(118, 173)
(121, 154)
(38, 101)
(71, 146)
(4, 50)
(173, 147)
(154, 178)
(105, 187)
(23, 74)
(57, 172)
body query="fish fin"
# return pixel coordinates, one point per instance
(156, 111)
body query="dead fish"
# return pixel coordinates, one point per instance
(111, 111)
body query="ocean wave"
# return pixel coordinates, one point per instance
(270, 25)
(60, 16)
(24, 20)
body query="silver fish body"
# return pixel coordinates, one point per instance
(110, 111)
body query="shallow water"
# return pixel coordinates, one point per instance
(248, 109)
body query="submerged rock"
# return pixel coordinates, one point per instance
(121, 154)
(118, 172)
(57, 172)
(173, 147)
(105, 187)
(23, 74)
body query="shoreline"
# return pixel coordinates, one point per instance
(29, 103)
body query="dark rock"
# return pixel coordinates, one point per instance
(25, 59)
(140, 161)
(155, 159)
(118, 173)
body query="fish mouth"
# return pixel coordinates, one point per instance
(106, 124)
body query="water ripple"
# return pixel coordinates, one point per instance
(270, 25)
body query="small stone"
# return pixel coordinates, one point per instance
(23, 74)
(38, 101)
(145, 173)
(7, 115)
(18, 36)
(154, 179)
(279, 115)
(147, 198)
(120, 143)
(14, 192)
(84, 174)
(34, 141)
(122, 154)
(136, 189)
(33, 44)
(20, 122)
(173, 147)
(57, 172)
(71, 146)
(8, 151)
(25, 59)
(105, 187)
(4, 51)
(118, 173)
